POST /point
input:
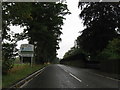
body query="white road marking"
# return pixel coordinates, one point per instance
(65, 70)
(75, 77)
(62, 68)
(106, 77)
(38, 74)
(32, 78)
(25, 83)
(71, 75)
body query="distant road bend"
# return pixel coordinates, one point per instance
(62, 76)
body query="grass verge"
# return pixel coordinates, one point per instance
(18, 72)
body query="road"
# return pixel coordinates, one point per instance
(61, 76)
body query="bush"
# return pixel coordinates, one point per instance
(112, 51)
(8, 56)
(6, 66)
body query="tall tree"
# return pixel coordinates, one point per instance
(43, 23)
(102, 21)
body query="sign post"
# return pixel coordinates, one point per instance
(31, 61)
(27, 50)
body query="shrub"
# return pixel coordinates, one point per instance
(8, 56)
(6, 66)
(112, 51)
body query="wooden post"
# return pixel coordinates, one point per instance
(31, 61)
(21, 59)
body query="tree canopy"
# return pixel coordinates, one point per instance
(112, 51)
(43, 21)
(102, 21)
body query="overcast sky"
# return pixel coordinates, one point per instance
(72, 26)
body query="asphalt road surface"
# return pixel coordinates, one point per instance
(61, 76)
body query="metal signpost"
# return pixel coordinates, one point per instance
(27, 50)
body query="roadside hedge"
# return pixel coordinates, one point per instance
(110, 66)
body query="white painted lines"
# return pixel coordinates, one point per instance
(107, 77)
(65, 70)
(25, 83)
(75, 77)
(32, 76)
(71, 75)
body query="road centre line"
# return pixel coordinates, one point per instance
(75, 77)
(72, 75)
(63, 69)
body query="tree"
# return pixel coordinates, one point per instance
(102, 21)
(112, 51)
(14, 13)
(43, 23)
(46, 33)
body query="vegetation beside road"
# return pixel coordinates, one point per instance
(99, 41)
(42, 27)
(18, 72)
(76, 63)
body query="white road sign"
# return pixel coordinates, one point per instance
(27, 47)
(26, 55)
(26, 50)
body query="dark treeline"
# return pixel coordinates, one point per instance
(100, 40)
(74, 57)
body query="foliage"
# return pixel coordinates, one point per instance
(102, 21)
(10, 15)
(18, 72)
(8, 56)
(6, 66)
(43, 23)
(46, 33)
(112, 51)
(9, 50)
(75, 53)
(72, 52)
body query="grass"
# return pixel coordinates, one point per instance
(18, 72)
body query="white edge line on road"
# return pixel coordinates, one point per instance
(106, 77)
(75, 77)
(65, 70)
(25, 83)
(32, 78)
